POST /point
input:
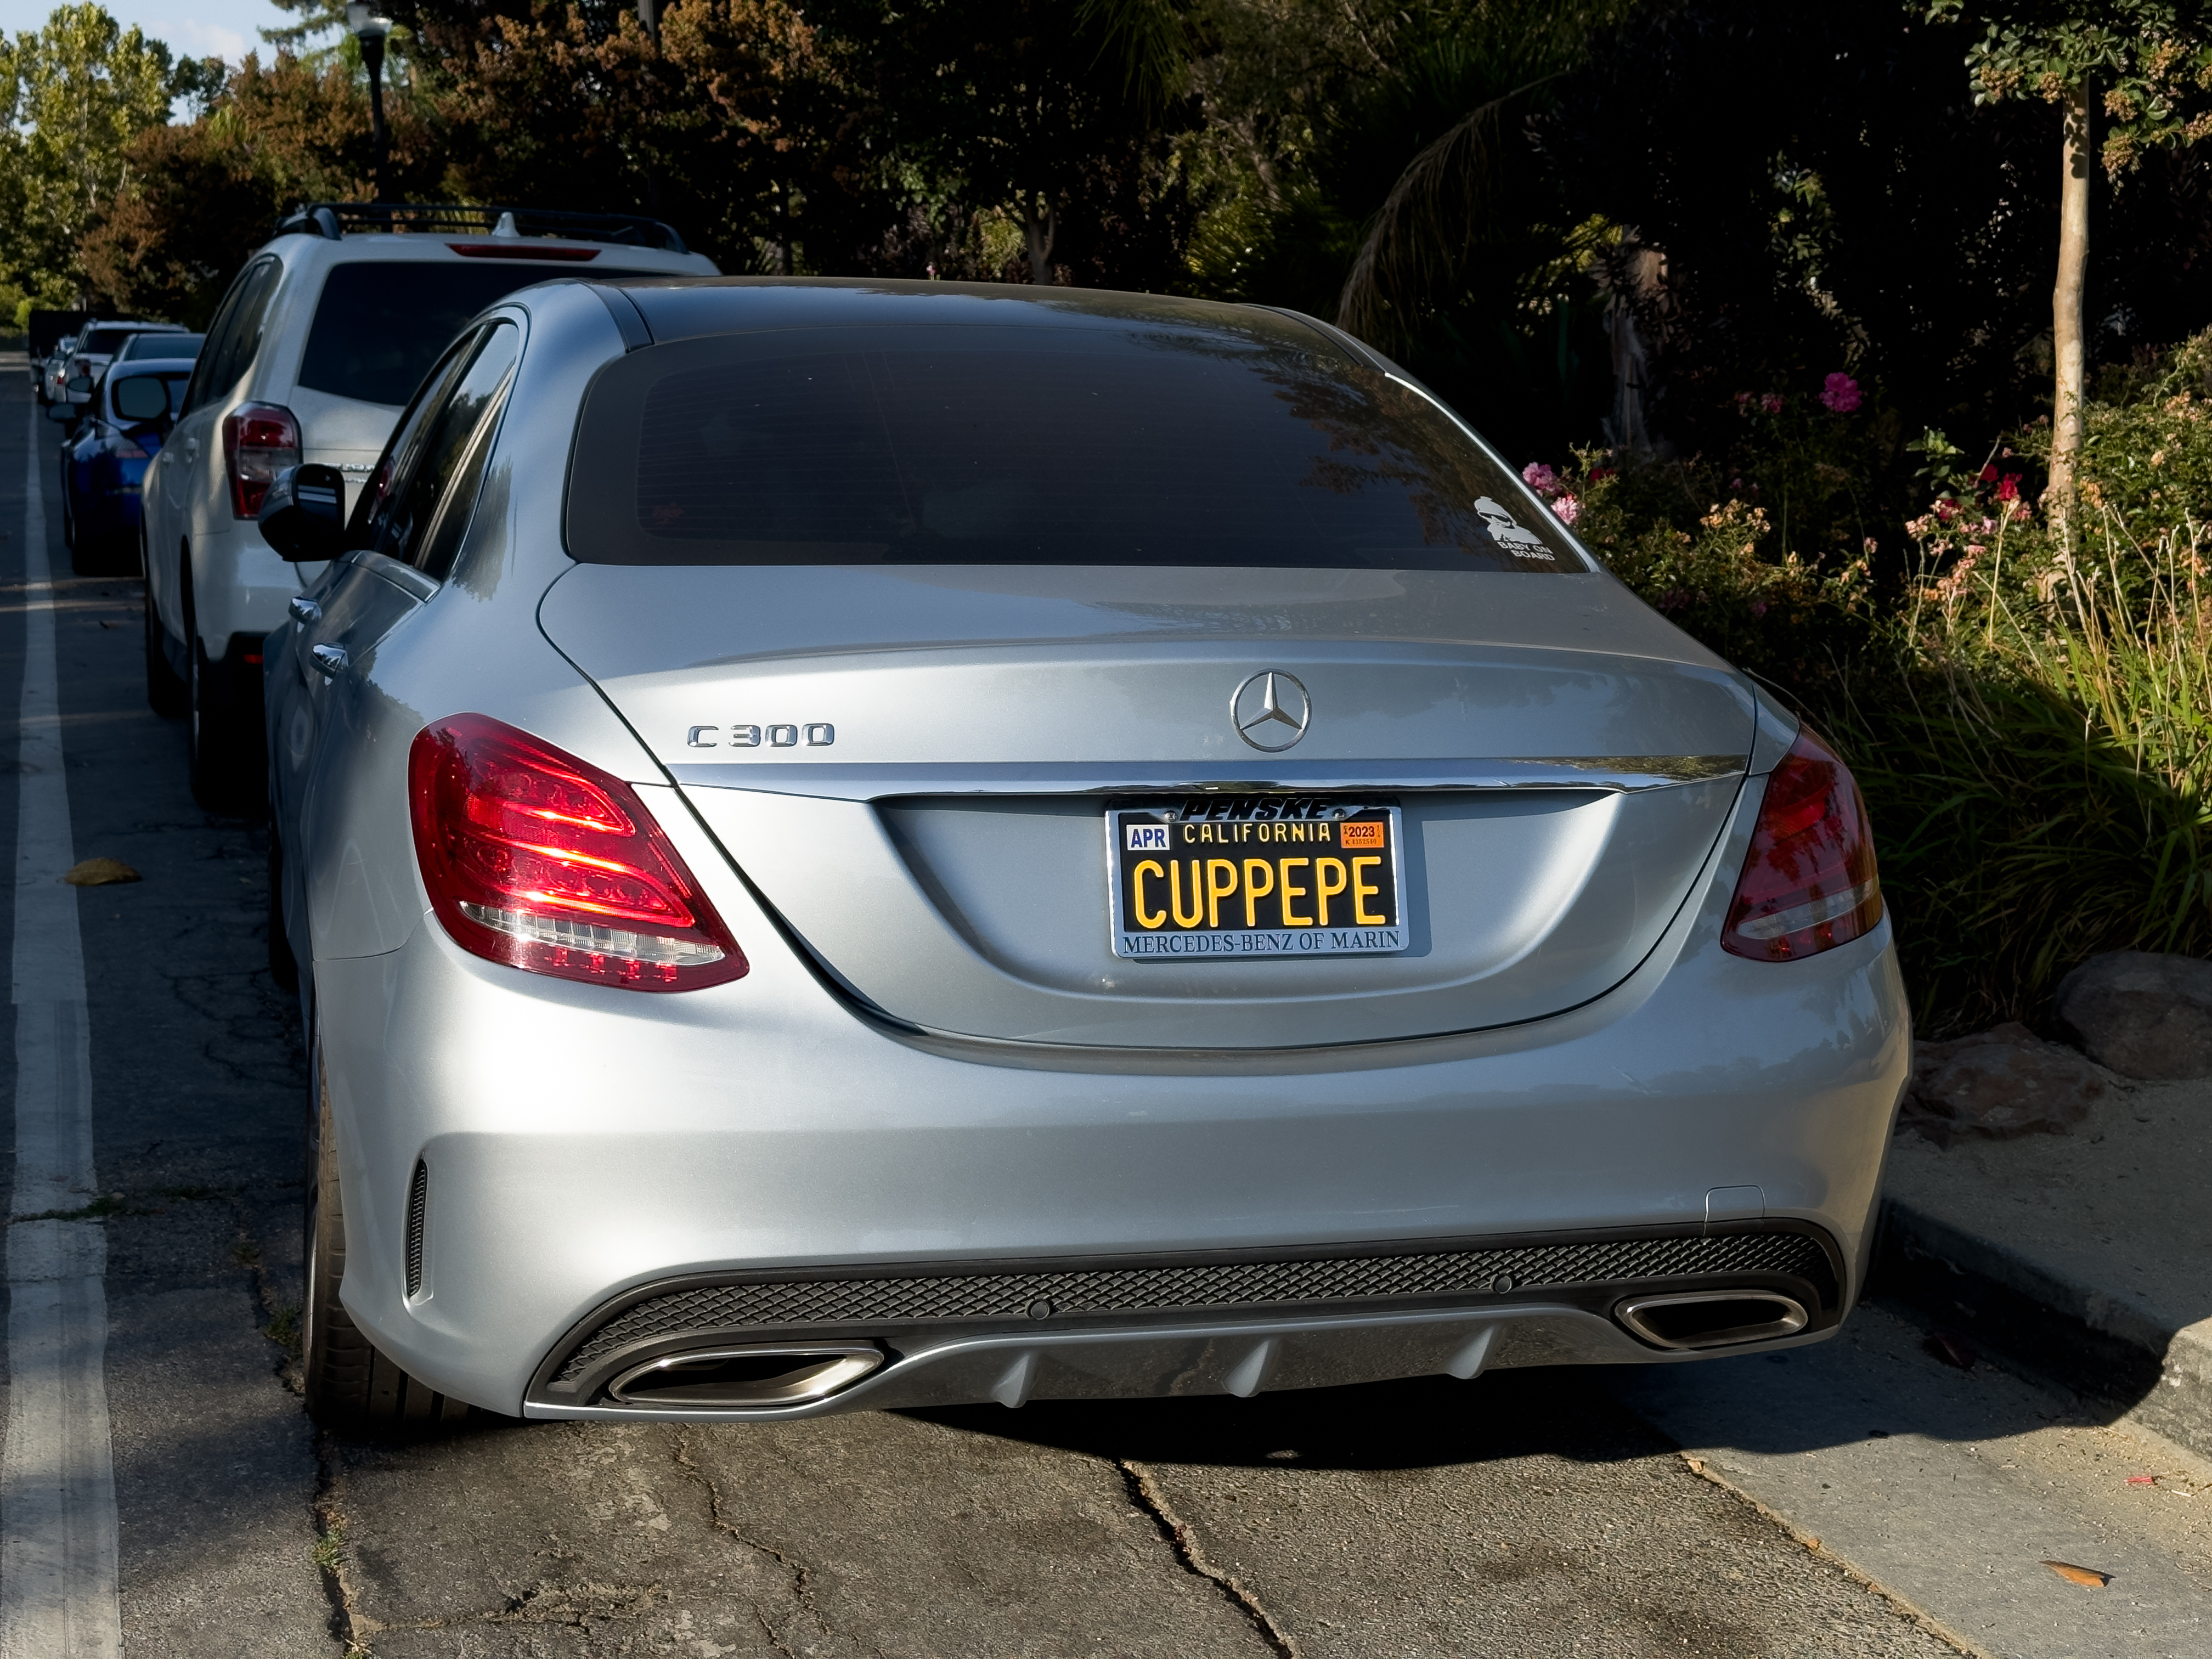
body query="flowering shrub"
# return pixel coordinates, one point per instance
(1776, 614)
(1554, 488)
(2029, 708)
(2034, 729)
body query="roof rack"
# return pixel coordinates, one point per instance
(333, 219)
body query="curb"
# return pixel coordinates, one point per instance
(2101, 1344)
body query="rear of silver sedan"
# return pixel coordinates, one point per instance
(1091, 846)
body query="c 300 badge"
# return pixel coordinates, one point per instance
(812, 735)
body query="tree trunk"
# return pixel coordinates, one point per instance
(2068, 392)
(1038, 222)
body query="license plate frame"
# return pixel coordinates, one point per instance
(1281, 837)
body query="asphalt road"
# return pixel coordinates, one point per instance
(1530, 1513)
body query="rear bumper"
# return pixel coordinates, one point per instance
(586, 1147)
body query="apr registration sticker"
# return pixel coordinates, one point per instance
(1287, 879)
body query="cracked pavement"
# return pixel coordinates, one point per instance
(1528, 1513)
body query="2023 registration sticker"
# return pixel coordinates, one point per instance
(1270, 877)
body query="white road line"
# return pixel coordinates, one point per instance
(57, 1590)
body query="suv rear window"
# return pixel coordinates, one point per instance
(1035, 445)
(381, 323)
(160, 345)
(102, 342)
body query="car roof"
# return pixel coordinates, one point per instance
(686, 308)
(141, 365)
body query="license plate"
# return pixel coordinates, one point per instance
(1290, 879)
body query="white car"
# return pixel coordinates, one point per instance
(320, 342)
(87, 356)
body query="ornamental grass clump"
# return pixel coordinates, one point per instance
(2027, 705)
(2033, 727)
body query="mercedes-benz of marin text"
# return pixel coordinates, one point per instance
(852, 844)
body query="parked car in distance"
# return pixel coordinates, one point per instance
(104, 460)
(46, 329)
(324, 335)
(181, 344)
(95, 346)
(875, 844)
(49, 370)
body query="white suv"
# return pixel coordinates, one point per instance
(310, 357)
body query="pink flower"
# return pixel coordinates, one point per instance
(1771, 402)
(1759, 608)
(1568, 508)
(2008, 488)
(1541, 479)
(1840, 392)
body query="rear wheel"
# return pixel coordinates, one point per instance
(217, 751)
(352, 1385)
(165, 690)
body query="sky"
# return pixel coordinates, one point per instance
(197, 28)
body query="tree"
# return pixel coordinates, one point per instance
(201, 196)
(1018, 108)
(2152, 59)
(73, 96)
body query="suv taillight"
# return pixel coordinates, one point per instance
(535, 859)
(1809, 882)
(259, 440)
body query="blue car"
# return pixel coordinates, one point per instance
(104, 455)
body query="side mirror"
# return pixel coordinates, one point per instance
(80, 386)
(303, 515)
(141, 397)
(65, 413)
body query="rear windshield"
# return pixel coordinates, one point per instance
(381, 323)
(1035, 445)
(102, 342)
(160, 345)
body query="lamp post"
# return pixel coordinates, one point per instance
(369, 28)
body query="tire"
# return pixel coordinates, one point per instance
(283, 967)
(352, 1385)
(165, 690)
(219, 753)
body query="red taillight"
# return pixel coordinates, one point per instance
(537, 859)
(259, 440)
(1809, 882)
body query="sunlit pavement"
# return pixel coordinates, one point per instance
(1523, 1513)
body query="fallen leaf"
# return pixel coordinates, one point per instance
(1951, 1348)
(99, 872)
(2089, 1578)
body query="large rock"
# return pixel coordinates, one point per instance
(2003, 1081)
(2143, 1015)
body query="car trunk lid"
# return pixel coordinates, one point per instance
(914, 766)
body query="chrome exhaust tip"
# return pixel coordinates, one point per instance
(756, 1375)
(1713, 1319)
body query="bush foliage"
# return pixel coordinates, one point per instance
(2029, 711)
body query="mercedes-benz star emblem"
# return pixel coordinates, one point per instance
(1270, 711)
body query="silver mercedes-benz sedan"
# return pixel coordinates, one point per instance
(862, 844)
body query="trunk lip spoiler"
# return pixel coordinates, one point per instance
(849, 780)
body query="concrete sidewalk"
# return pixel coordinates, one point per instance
(2087, 1256)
